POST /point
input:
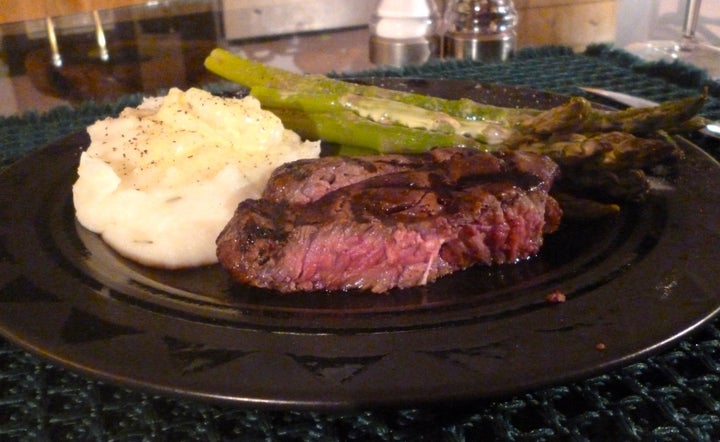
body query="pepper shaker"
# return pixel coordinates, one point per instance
(404, 32)
(481, 30)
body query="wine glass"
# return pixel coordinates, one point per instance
(687, 48)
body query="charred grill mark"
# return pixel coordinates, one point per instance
(524, 181)
(367, 166)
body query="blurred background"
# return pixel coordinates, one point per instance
(67, 51)
(663, 20)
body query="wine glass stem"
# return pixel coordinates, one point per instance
(692, 12)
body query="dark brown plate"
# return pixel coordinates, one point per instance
(635, 283)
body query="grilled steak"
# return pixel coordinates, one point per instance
(375, 223)
(303, 181)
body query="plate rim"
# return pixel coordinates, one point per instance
(340, 401)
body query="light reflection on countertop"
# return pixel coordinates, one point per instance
(150, 56)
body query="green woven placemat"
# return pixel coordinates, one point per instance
(672, 396)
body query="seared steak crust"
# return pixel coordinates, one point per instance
(376, 223)
(300, 182)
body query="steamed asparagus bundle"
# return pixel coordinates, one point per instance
(601, 149)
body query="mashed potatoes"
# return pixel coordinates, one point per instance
(161, 181)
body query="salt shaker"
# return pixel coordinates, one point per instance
(404, 32)
(481, 30)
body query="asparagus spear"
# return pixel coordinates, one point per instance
(383, 110)
(579, 116)
(610, 166)
(253, 74)
(347, 128)
(566, 117)
(610, 151)
(579, 208)
(642, 120)
(604, 185)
